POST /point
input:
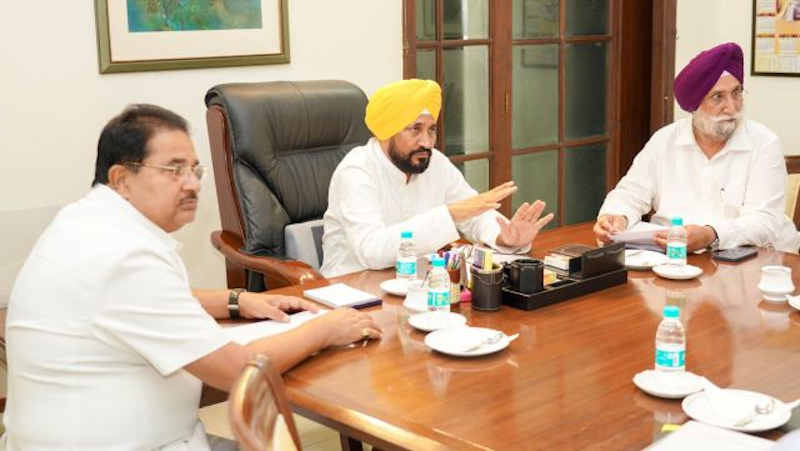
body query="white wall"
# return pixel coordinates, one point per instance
(770, 100)
(55, 102)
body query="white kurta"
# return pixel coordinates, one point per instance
(370, 204)
(739, 191)
(100, 323)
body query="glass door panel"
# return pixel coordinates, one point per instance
(586, 81)
(476, 172)
(536, 176)
(584, 182)
(426, 19)
(465, 100)
(534, 19)
(586, 17)
(535, 95)
(466, 19)
(426, 64)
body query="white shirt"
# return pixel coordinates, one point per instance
(739, 191)
(101, 322)
(370, 204)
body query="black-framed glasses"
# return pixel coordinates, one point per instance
(178, 171)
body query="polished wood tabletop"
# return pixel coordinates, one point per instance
(566, 382)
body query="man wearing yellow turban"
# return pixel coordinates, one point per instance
(398, 182)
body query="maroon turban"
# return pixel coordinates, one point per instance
(703, 72)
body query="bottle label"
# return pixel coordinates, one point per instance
(438, 298)
(677, 252)
(671, 357)
(406, 268)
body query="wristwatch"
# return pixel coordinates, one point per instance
(233, 302)
(714, 244)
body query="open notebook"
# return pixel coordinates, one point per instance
(342, 295)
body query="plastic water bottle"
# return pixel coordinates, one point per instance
(438, 287)
(676, 242)
(670, 341)
(406, 266)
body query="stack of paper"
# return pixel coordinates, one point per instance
(341, 295)
(253, 331)
(701, 437)
(640, 236)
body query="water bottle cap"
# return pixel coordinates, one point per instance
(437, 262)
(406, 234)
(672, 311)
(677, 220)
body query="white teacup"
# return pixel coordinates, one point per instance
(416, 297)
(776, 283)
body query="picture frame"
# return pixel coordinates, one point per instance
(125, 46)
(775, 45)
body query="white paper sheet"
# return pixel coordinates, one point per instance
(694, 436)
(250, 332)
(641, 233)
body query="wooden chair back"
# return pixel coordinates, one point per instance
(259, 412)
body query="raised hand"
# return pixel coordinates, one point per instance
(476, 205)
(523, 226)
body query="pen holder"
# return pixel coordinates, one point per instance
(486, 286)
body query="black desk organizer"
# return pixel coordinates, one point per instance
(600, 269)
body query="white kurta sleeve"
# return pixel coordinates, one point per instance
(633, 196)
(149, 310)
(761, 215)
(356, 197)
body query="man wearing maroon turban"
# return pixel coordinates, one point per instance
(723, 174)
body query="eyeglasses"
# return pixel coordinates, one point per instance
(178, 171)
(718, 98)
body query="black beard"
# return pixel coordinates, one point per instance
(405, 164)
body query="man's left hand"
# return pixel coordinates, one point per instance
(523, 226)
(699, 237)
(271, 306)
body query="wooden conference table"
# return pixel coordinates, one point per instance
(565, 383)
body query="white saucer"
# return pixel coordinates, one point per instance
(456, 340)
(421, 304)
(397, 287)
(430, 321)
(729, 406)
(774, 296)
(642, 259)
(795, 302)
(676, 272)
(672, 385)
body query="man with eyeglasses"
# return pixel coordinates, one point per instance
(107, 344)
(398, 182)
(723, 174)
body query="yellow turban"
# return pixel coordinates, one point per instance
(394, 106)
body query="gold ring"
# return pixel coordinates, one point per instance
(365, 333)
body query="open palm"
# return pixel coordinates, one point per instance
(523, 226)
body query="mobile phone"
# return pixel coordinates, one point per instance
(735, 254)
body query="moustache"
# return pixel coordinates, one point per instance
(422, 150)
(189, 198)
(726, 118)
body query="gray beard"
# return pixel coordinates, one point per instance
(714, 127)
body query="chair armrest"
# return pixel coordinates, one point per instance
(278, 273)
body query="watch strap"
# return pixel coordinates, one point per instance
(233, 303)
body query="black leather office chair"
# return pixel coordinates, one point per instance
(274, 147)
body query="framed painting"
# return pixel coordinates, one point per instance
(776, 38)
(142, 35)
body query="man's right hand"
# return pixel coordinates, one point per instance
(346, 325)
(608, 225)
(476, 205)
